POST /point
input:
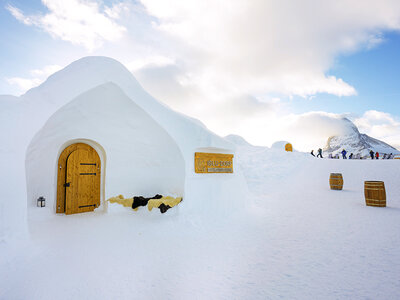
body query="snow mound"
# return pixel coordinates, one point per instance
(279, 145)
(237, 140)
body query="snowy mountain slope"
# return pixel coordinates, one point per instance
(356, 143)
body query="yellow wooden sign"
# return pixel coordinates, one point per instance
(213, 163)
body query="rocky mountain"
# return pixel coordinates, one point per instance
(357, 143)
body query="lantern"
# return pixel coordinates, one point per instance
(41, 202)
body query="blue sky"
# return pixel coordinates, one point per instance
(375, 73)
(254, 64)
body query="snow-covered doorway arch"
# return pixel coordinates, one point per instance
(140, 157)
(78, 179)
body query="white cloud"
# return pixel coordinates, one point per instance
(24, 84)
(306, 131)
(80, 22)
(380, 125)
(19, 15)
(229, 56)
(149, 62)
(272, 46)
(117, 9)
(36, 78)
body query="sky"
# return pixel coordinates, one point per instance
(266, 70)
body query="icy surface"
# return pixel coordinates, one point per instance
(297, 240)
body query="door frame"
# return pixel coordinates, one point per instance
(62, 157)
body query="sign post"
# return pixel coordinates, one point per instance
(213, 163)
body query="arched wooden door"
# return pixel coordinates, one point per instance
(289, 147)
(78, 183)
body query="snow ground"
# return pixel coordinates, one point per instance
(296, 240)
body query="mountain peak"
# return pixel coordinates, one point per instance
(357, 143)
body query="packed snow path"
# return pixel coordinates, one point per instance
(297, 239)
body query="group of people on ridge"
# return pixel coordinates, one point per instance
(376, 155)
(344, 154)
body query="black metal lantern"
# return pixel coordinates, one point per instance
(41, 202)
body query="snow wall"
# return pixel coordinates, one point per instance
(27, 115)
(12, 169)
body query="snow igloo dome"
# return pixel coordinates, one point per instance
(281, 145)
(122, 140)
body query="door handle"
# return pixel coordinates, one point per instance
(67, 184)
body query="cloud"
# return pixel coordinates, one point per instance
(224, 111)
(80, 22)
(305, 131)
(19, 15)
(117, 9)
(250, 47)
(153, 61)
(380, 125)
(24, 84)
(36, 78)
(230, 60)
(273, 46)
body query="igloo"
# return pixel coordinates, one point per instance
(94, 121)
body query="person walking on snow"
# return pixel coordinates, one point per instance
(371, 153)
(351, 156)
(377, 155)
(319, 153)
(344, 152)
(312, 153)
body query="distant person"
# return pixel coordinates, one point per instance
(351, 156)
(391, 156)
(330, 155)
(312, 153)
(371, 153)
(319, 153)
(377, 155)
(344, 152)
(384, 156)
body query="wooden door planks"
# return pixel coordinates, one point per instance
(80, 165)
